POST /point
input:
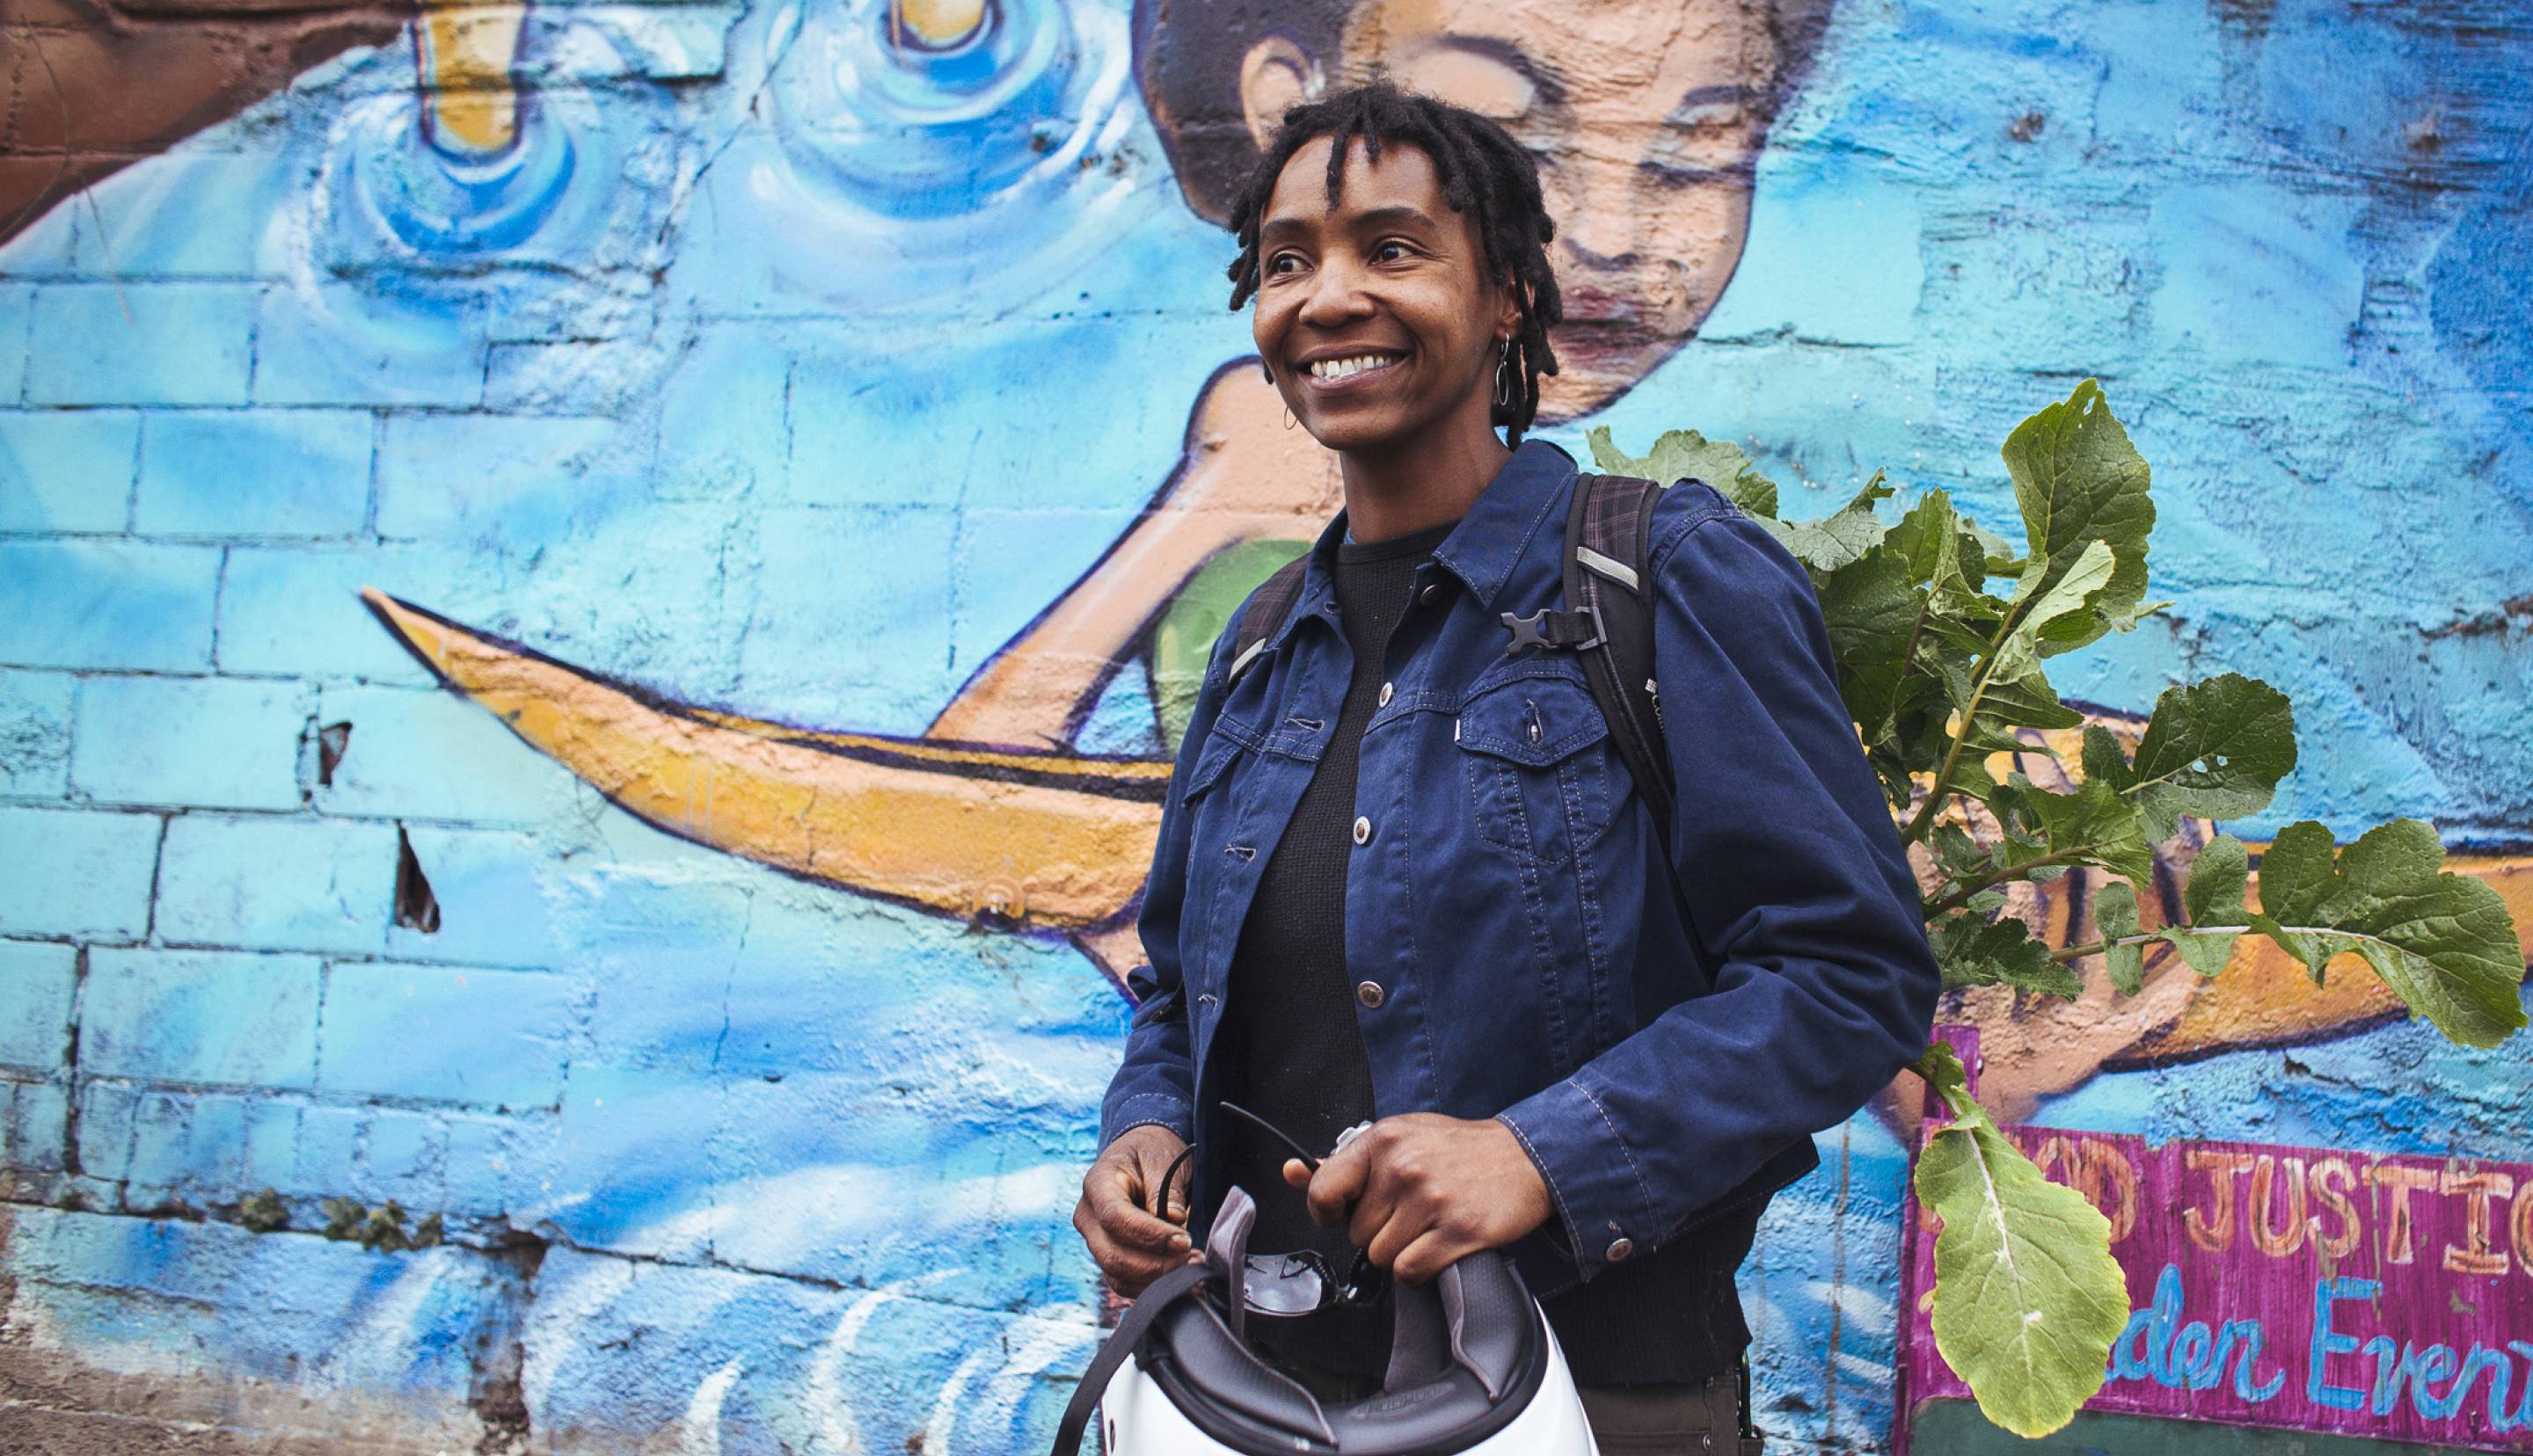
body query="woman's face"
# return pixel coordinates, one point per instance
(1645, 119)
(1376, 315)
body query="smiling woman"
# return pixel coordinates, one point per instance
(1405, 882)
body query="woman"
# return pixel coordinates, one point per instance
(1403, 877)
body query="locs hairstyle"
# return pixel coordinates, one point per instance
(1188, 55)
(1486, 176)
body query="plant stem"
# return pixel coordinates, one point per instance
(1961, 893)
(2095, 948)
(1925, 815)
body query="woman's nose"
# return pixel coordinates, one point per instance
(1336, 295)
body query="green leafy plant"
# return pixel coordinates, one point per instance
(1943, 633)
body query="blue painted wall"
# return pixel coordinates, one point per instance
(744, 381)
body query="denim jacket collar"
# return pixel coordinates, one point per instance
(1481, 550)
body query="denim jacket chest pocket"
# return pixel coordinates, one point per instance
(1534, 751)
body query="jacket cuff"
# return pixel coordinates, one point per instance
(1592, 1178)
(1146, 1110)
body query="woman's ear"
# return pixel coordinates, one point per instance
(1516, 303)
(1275, 76)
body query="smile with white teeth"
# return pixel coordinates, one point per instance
(1338, 369)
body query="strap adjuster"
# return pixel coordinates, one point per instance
(1551, 629)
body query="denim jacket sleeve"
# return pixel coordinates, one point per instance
(1156, 1083)
(1799, 892)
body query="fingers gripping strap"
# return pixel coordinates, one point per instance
(1156, 1297)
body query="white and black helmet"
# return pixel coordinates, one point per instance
(1473, 1367)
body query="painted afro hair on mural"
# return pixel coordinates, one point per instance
(1486, 175)
(1189, 55)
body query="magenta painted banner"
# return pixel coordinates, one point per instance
(2378, 1295)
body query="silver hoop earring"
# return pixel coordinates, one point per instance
(1503, 377)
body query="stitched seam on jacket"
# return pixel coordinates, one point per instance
(1643, 1193)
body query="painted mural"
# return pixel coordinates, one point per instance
(596, 600)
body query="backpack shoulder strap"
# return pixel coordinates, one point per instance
(1607, 533)
(1268, 606)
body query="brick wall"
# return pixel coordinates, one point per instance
(722, 1158)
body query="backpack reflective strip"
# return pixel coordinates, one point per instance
(1242, 662)
(1618, 571)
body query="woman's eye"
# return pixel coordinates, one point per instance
(1277, 263)
(1389, 252)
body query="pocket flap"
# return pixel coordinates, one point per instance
(1221, 746)
(1531, 720)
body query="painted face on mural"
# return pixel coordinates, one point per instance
(1646, 124)
(1646, 120)
(1376, 313)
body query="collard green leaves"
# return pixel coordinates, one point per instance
(1686, 454)
(1943, 638)
(2080, 483)
(2445, 944)
(2027, 1297)
(2215, 750)
(1975, 951)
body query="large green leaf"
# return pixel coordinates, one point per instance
(2445, 944)
(2027, 1297)
(1687, 454)
(1871, 610)
(2080, 481)
(2062, 605)
(1843, 536)
(2216, 749)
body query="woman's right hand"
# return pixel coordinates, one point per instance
(1131, 1243)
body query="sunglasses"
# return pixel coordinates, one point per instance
(1303, 1281)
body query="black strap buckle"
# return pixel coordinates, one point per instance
(1550, 629)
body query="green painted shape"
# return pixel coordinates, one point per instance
(1184, 636)
(1954, 1428)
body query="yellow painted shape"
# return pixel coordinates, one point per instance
(464, 54)
(941, 21)
(905, 819)
(2264, 996)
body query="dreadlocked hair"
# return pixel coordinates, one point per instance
(1485, 174)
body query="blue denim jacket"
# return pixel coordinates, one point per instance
(1515, 952)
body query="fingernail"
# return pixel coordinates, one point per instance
(1178, 1241)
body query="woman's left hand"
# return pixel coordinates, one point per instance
(1425, 1190)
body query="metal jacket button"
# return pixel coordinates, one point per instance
(1385, 695)
(1371, 995)
(1429, 589)
(1619, 1248)
(1362, 830)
